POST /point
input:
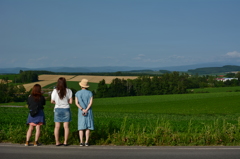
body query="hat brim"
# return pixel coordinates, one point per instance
(84, 86)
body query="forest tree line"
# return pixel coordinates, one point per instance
(168, 83)
(11, 93)
(26, 77)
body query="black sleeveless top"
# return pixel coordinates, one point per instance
(32, 103)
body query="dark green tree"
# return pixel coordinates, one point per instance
(230, 75)
(102, 90)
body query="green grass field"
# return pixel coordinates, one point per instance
(10, 76)
(185, 119)
(217, 89)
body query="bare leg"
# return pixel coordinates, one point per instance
(56, 132)
(37, 132)
(29, 132)
(81, 136)
(87, 135)
(66, 131)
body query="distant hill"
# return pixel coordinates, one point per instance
(71, 69)
(185, 68)
(204, 68)
(212, 70)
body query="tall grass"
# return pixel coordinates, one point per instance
(161, 133)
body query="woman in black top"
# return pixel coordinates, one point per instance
(35, 101)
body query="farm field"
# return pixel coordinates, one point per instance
(73, 84)
(217, 89)
(45, 80)
(9, 76)
(97, 79)
(185, 119)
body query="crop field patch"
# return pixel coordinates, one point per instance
(42, 83)
(3, 81)
(74, 85)
(53, 77)
(216, 89)
(9, 76)
(97, 79)
(45, 80)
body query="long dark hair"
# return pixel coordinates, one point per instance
(61, 87)
(36, 92)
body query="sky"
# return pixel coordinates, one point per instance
(134, 33)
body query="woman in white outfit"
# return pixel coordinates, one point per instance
(61, 97)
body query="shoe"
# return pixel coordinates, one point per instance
(65, 144)
(59, 144)
(81, 144)
(86, 144)
(27, 143)
(35, 143)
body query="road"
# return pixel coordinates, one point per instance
(19, 151)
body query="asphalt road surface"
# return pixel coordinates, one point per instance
(19, 151)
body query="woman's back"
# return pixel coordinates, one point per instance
(84, 97)
(61, 103)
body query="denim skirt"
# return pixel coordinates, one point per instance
(38, 118)
(62, 115)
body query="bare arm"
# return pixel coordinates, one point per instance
(89, 105)
(70, 101)
(77, 104)
(52, 96)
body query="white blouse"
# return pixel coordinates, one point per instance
(61, 103)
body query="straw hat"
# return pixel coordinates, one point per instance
(84, 83)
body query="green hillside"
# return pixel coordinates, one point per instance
(215, 70)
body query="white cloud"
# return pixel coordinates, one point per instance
(13, 60)
(139, 57)
(41, 58)
(161, 60)
(233, 54)
(109, 57)
(176, 57)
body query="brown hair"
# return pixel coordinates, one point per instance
(61, 87)
(36, 92)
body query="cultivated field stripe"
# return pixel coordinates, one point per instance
(48, 79)
(97, 79)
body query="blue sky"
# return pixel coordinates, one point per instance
(136, 33)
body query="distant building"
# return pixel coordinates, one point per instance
(225, 79)
(219, 79)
